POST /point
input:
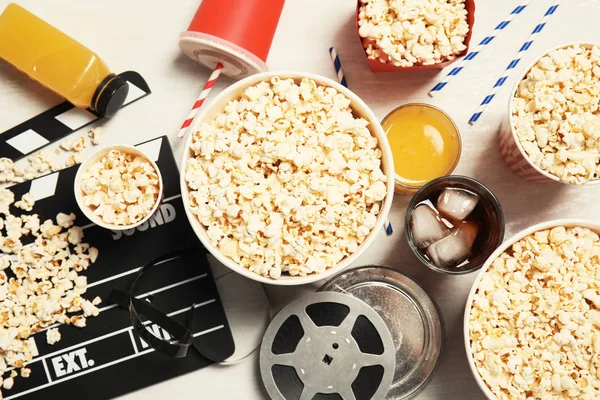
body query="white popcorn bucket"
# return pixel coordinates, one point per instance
(510, 147)
(360, 108)
(567, 223)
(515, 156)
(97, 155)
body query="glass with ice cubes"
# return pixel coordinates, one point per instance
(453, 224)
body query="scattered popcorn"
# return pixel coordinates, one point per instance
(285, 178)
(94, 135)
(555, 113)
(31, 224)
(4, 261)
(39, 282)
(76, 145)
(65, 220)
(26, 203)
(78, 321)
(410, 32)
(49, 230)
(93, 252)
(74, 159)
(41, 163)
(535, 319)
(121, 188)
(8, 383)
(52, 336)
(6, 199)
(89, 309)
(38, 164)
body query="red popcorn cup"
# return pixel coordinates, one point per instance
(378, 66)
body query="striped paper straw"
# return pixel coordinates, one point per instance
(205, 91)
(342, 80)
(513, 64)
(472, 54)
(338, 66)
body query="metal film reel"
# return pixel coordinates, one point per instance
(411, 316)
(325, 344)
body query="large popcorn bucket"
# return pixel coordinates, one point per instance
(359, 107)
(378, 66)
(511, 149)
(567, 223)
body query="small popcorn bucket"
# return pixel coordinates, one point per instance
(378, 66)
(99, 154)
(510, 147)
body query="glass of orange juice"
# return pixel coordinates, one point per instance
(425, 143)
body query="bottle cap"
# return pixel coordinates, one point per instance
(110, 95)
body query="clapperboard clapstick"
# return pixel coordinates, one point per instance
(110, 349)
(60, 121)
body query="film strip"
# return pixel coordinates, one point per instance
(60, 121)
(107, 358)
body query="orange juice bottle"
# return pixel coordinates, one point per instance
(59, 62)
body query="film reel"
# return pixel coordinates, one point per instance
(412, 318)
(327, 346)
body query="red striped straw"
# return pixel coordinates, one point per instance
(203, 95)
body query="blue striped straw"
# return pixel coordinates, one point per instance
(338, 67)
(513, 64)
(472, 54)
(342, 80)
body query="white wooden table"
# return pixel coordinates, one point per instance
(142, 35)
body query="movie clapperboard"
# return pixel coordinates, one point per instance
(60, 121)
(107, 359)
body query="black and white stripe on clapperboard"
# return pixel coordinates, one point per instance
(60, 121)
(107, 359)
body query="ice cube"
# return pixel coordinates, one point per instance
(455, 248)
(457, 204)
(426, 226)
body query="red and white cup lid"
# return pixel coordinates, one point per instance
(236, 33)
